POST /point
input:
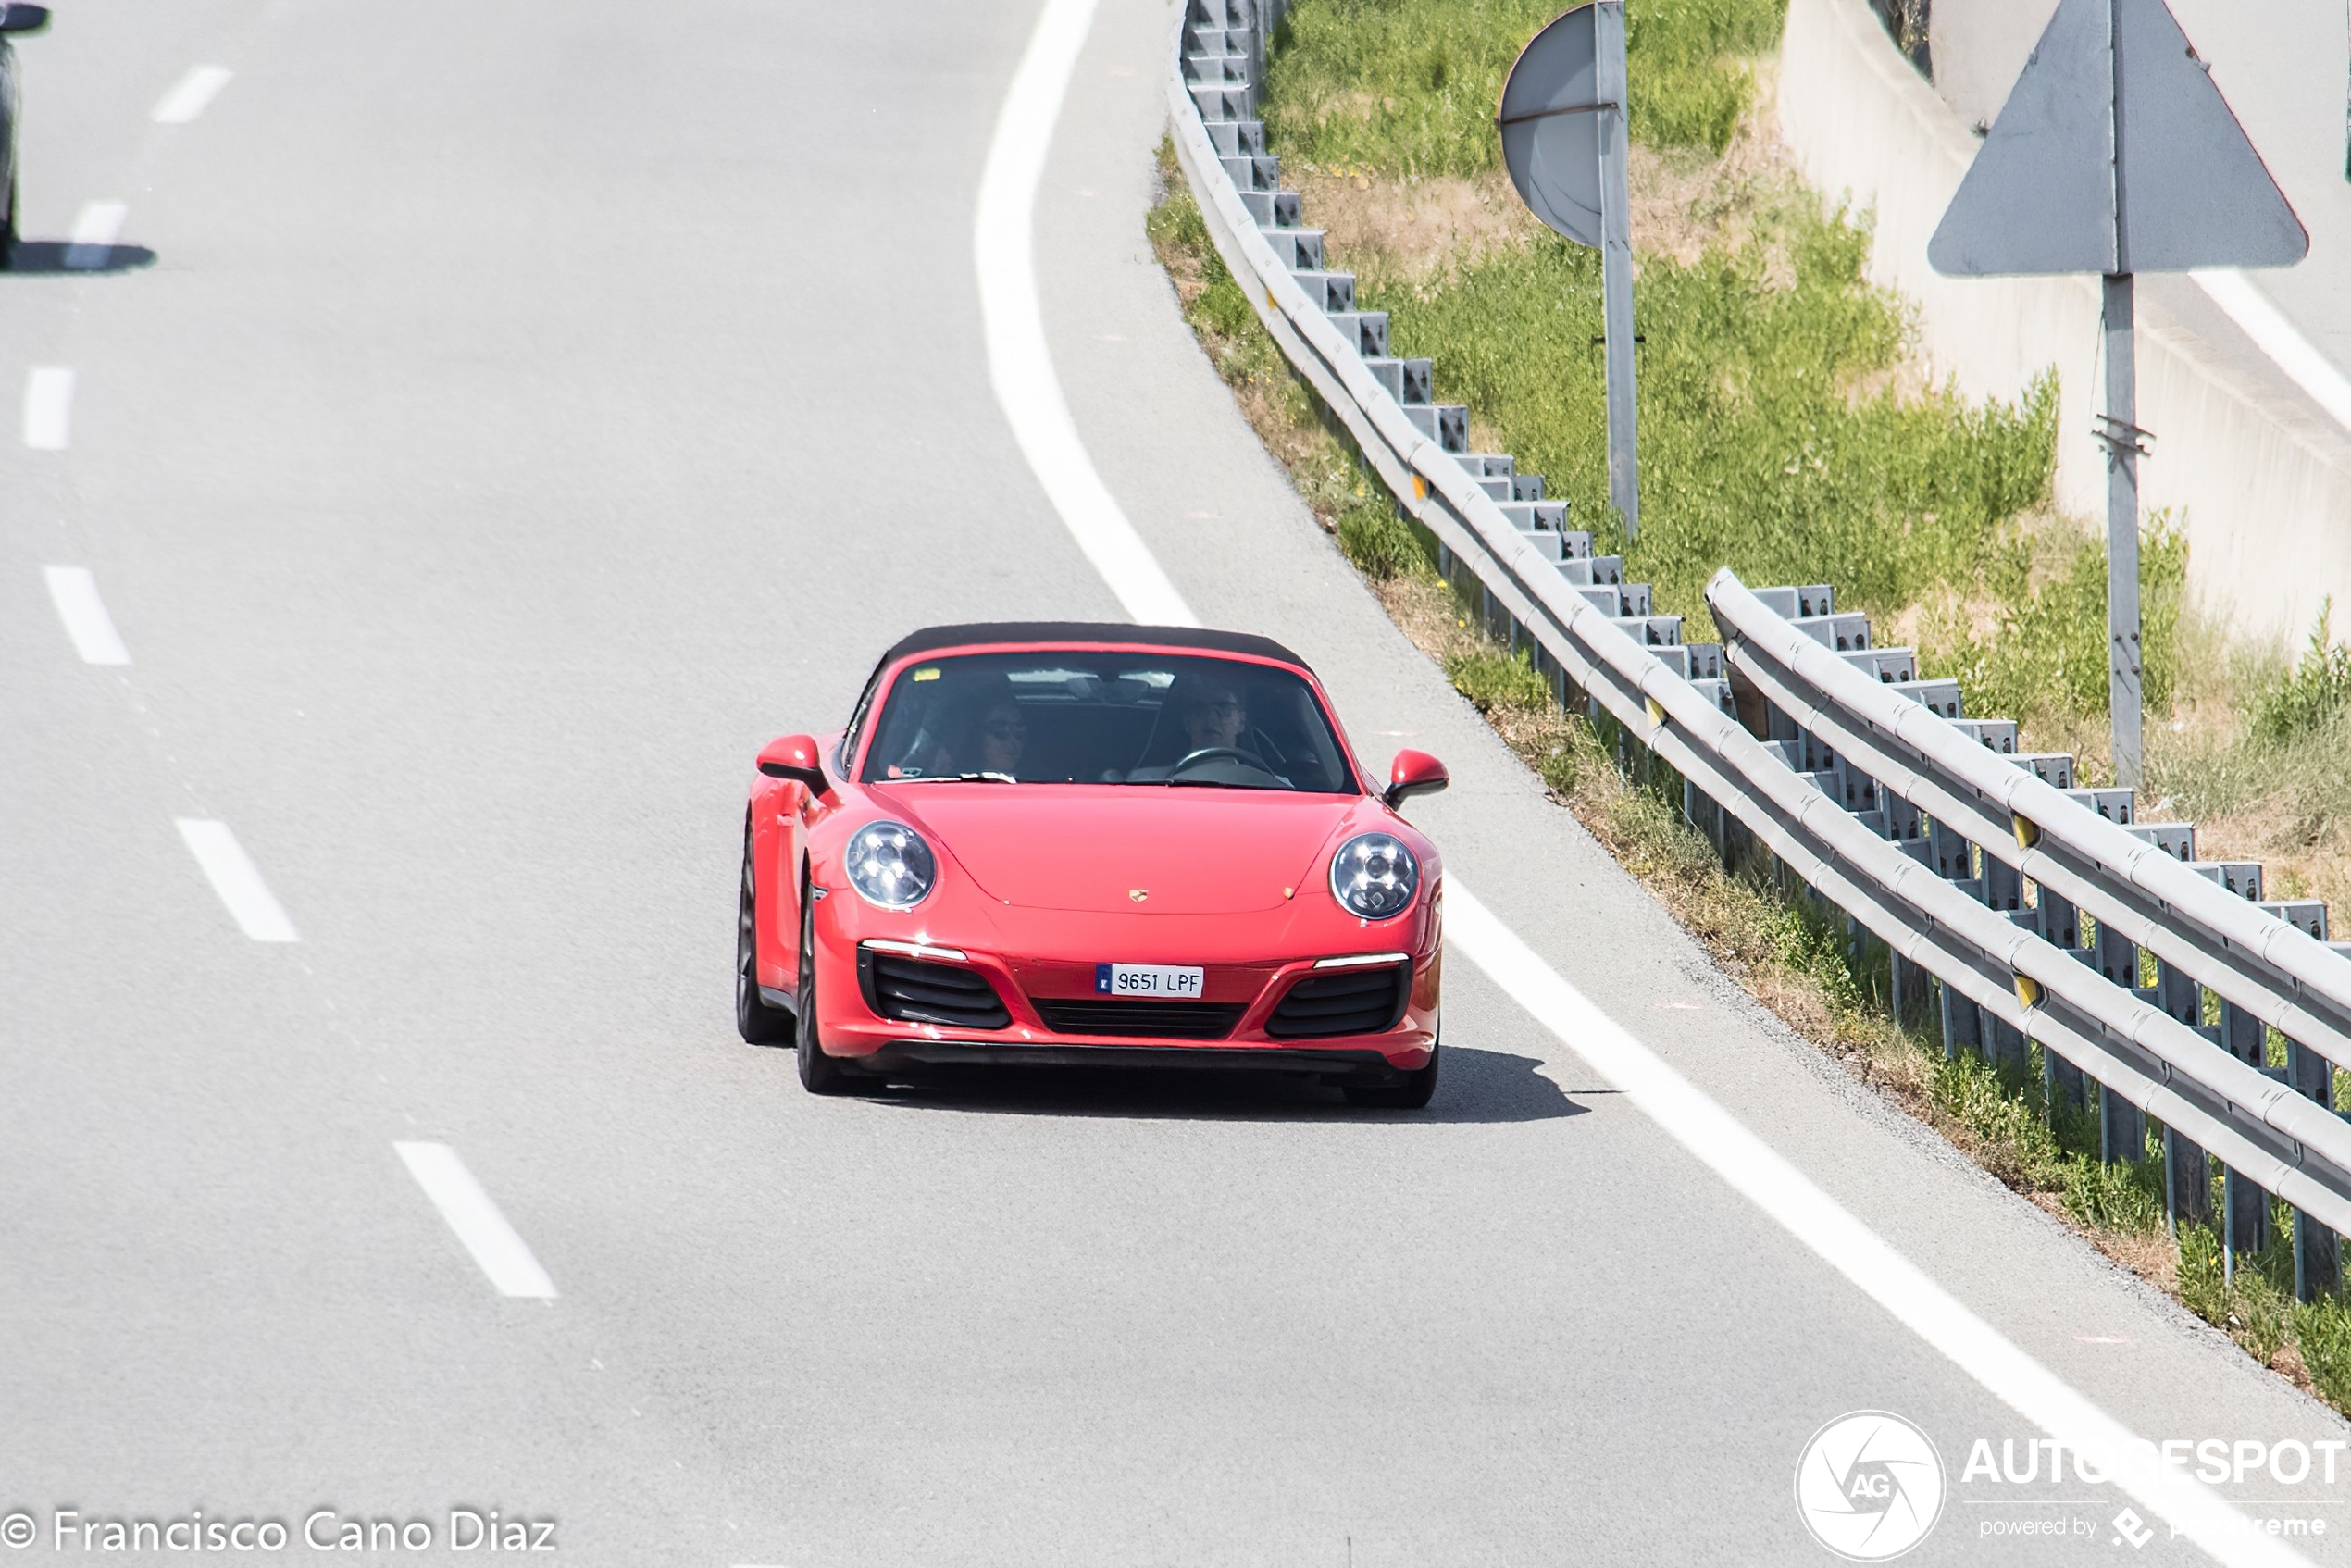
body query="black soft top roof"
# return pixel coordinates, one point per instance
(934, 637)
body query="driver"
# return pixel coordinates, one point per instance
(1210, 716)
(1216, 718)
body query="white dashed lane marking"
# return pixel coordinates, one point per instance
(48, 408)
(238, 881)
(191, 95)
(75, 592)
(95, 228)
(495, 1245)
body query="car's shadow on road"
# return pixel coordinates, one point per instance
(37, 258)
(1476, 1086)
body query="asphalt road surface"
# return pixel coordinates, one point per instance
(511, 417)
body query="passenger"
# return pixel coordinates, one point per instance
(990, 738)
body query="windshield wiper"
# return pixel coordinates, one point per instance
(987, 776)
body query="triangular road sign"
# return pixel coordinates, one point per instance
(2115, 154)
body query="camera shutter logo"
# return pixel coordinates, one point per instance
(1868, 1486)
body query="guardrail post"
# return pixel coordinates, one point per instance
(1962, 1023)
(1950, 853)
(1909, 987)
(2178, 994)
(2116, 959)
(2247, 1230)
(2187, 1181)
(2123, 1129)
(2063, 1084)
(2243, 1034)
(2060, 922)
(2007, 1046)
(2003, 886)
(2318, 1269)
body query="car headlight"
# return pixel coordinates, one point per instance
(889, 865)
(1375, 876)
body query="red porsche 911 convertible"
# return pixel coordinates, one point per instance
(1090, 844)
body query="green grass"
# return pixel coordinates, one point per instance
(1220, 313)
(1412, 86)
(2322, 1333)
(1380, 544)
(1756, 451)
(1493, 680)
(2313, 695)
(2045, 652)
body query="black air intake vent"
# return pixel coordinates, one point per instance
(916, 991)
(1342, 1002)
(1165, 1020)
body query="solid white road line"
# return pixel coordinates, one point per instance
(48, 408)
(192, 95)
(2246, 305)
(75, 592)
(238, 881)
(95, 228)
(502, 1253)
(1689, 1117)
(1761, 1175)
(1019, 364)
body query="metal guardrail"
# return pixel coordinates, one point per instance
(2019, 899)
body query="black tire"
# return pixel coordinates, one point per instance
(755, 1020)
(819, 1073)
(1412, 1094)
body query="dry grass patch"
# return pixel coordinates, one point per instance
(1407, 231)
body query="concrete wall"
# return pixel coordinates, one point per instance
(1980, 47)
(2263, 494)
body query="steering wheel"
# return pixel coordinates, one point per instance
(1209, 754)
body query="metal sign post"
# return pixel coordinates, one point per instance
(1564, 141)
(2125, 444)
(1616, 262)
(2117, 155)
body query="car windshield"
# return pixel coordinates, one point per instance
(1061, 717)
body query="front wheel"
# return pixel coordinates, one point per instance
(819, 1073)
(755, 1020)
(1412, 1094)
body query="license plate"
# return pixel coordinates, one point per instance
(1158, 982)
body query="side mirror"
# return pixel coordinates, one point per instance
(1414, 773)
(795, 757)
(16, 18)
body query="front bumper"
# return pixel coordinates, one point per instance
(856, 1029)
(1342, 1065)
